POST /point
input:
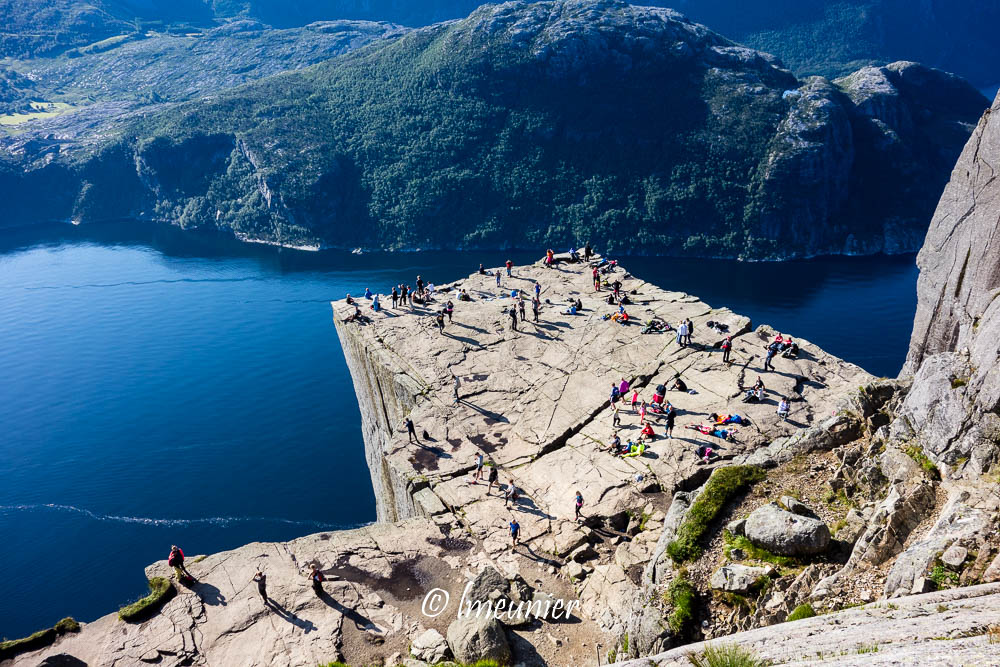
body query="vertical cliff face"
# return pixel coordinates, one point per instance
(386, 392)
(954, 348)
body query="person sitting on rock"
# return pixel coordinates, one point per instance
(679, 385)
(647, 433)
(783, 409)
(482, 269)
(706, 453)
(464, 296)
(350, 300)
(791, 351)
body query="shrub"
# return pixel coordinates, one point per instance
(720, 488)
(800, 612)
(727, 655)
(161, 590)
(917, 454)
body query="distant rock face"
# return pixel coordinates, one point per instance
(782, 532)
(954, 404)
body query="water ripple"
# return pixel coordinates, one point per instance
(220, 521)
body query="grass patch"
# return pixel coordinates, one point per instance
(682, 596)
(943, 577)
(40, 639)
(41, 110)
(993, 634)
(800, 612)
(726, 655)
(720, 488)
(161, 590)
(753, 552)
(917, 454)
(959, 382)
(867, 648)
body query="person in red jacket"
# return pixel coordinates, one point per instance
(176, 561)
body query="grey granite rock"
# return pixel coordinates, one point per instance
(783, 532)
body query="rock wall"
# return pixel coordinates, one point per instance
(386, 391)
(955, 402)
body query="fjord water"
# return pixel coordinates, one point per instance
(160, 387)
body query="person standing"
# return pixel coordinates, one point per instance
(439, 318)
(494, 477)
(671, 417)
(588, 251)
(510, 493)
(727, 346)
(578, 505)
(261, 580)
(176, 561)
(455, 389)
(690, 329)
(510, 265)
(513, 317)
(520, 307)
(682, 334)
(616, 419)
(536, 306)
(772, 350)
(538, 290)
(478, 474)
(515, 532)
(395, 296)
(411, 429)
(450, 310)
(498, 277)
(317, 578)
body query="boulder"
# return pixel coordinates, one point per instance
(795, 506)
(582, 553)
(992, 572)
(575, 570)
(854, 526)
(737, 527)
(489, 585)
(736, 578)
(430, 647)
(954, 556)
(782, 532)
(478, 637)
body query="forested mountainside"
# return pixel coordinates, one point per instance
(825, 37)
(528, 124)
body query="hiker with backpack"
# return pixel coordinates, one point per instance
(176, 561)
(317, 578)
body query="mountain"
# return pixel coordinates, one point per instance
(826, 37)
(834, 37)
(526, 124)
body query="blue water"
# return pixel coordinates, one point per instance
(160, 387)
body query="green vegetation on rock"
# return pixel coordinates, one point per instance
(682, 596)
(40, 639)
(800, 612)
(161, 590)
(726, 655)
(915, 452)
(720, 488)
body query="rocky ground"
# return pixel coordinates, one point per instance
(836, 513)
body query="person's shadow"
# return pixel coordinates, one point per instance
(306, 625)
(209, 594)
(360, 622)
